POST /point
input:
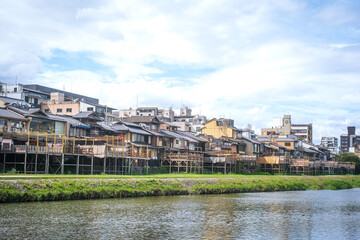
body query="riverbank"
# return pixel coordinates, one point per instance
(25, 188)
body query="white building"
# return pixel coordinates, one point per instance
(331, 143)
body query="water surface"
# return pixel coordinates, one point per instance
(278, 215)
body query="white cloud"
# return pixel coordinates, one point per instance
(265, 58)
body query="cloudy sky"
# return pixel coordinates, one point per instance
(248, 60)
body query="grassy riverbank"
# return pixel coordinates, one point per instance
(23, 188)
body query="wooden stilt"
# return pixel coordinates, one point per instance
(77, 164)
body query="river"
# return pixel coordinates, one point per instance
(322, 214)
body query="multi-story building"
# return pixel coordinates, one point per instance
(345, 139)
(58, 105)
(350, 142)
(330, 143)
(283, 126)
(35, 94)
(303, 131)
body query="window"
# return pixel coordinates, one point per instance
(90, 109)
(287, 144)
(15, 89)
(177, 141)
(59, 110)
(69, 110)
(47, 110)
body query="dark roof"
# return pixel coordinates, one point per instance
(96, 104)
(37, 113)
(48, 90)
(142, 119)
(13, 100)
(138, 131)
(89, 115)
(119, 127)
(4, 113)
(192, 136)
(107, 127)
(151, 108)
(69, 119)
(178, 135)
(250, 140)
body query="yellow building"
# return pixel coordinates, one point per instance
(215, 129)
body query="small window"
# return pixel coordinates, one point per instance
(15, 89)
(47, 110)
(90, 109)
(177, 141)
(69, 110)
(287, 144)
(59, 110)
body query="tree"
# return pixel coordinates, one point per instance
(351, 157)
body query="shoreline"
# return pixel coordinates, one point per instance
(51, 188)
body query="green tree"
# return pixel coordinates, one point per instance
(351, 157)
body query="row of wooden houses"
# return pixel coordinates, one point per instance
(33, 141)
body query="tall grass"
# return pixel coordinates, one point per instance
(96, 188)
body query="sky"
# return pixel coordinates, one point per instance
(246, 60)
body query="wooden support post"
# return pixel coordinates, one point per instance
(106, 147)
(117, 147)
(54, 142)
(62, 163)
(105, 164)
(37, 142)
(92, 165)
(36, 161)
(115, 166)
(25, 162)
(28, 141)
(46, 145)
(46, 163)
(4, 168)
(77, 164)
(74, 146)
(112, 146)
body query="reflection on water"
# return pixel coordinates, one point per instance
(279, 215)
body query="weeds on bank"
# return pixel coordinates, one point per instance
(72, 189)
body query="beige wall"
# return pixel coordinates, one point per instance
(211, 128)
(53, 108)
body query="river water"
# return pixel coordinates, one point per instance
(277, 215)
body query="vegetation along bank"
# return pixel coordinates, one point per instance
(49, 187)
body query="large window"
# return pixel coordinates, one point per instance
(139, 138)
(69, 110)
(59, 110)
(287, 144)
(90, 109)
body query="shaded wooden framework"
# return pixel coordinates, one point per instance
(229, 162)
(54, 153)
(182, 160)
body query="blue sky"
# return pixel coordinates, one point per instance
(251, 60)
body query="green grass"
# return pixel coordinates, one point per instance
(70, 187)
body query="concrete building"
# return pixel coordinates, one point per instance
(350, 142)
(283, 126)
(58, 105)
(303, 131)
(330, 143)
(34, 94)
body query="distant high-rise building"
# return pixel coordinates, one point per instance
(330, 143)
(350, 141)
